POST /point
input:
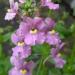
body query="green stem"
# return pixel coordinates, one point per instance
(42, 69)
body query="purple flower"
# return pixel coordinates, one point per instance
(16, 61)
(54, 52)
(53, 38)
(15, 38)
(22, 52)
(56, 56)
(59, 62)
(47, 24)
(33, 34)
(60, 45)
(37, 38)
(25, 70)
(29, 66)
(14, 71)
(21, 1)
(18, 36)
(12, 11)
(49, 4)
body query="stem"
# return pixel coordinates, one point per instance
(46, 59)
(39, 67)
(42, 69)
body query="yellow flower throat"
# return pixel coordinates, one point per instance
(24, 71)
(33, 31)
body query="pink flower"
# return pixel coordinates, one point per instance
(21, 52)
(25, 70)
(49, 4)
(32, 32)
(21, 1)
(53, 38)
(12, 11)
(59, 62)
(16, 61)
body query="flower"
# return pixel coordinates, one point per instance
(52, 38)
(12, 11)
(15, 39)
(15, 71)
(18, 36)
(32, 32)
(56, 56)
(54, 52)
(49, 4)
(47, 25)
(16, 61)
(25, 70)
(59, 62)
(21, 1)
(22, 52)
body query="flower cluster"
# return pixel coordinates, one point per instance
(31, 32)
(14, 7)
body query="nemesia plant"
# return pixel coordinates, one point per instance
(34, 31)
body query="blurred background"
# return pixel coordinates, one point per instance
(65, 20)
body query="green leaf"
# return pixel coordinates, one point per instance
(1, 53)
(5, 66)
(54, 71)
(72, 28)
(63, 31)
(41, 68)
(7, 36)
(1, 39)
(43, 49)
(38, 51)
